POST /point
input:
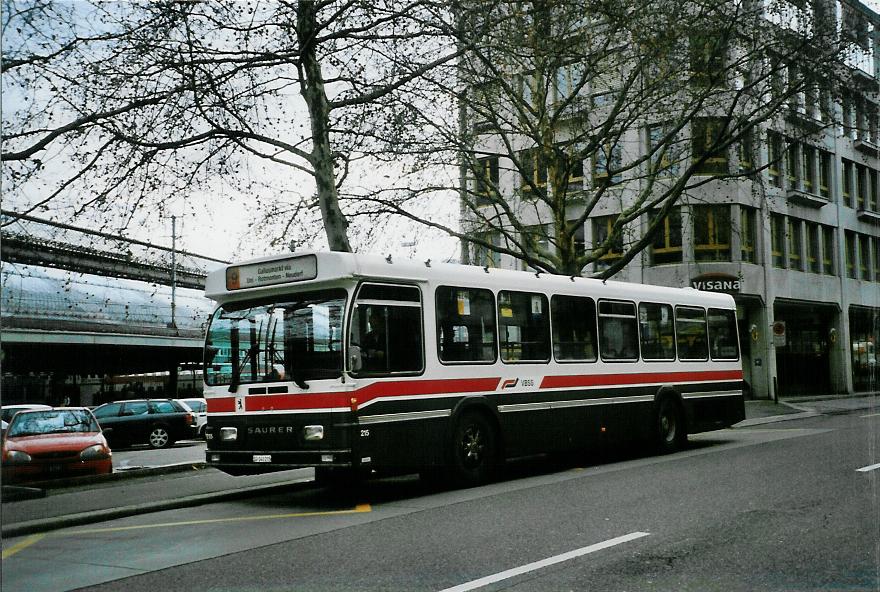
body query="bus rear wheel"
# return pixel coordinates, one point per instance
(474, 450)
(670, 431)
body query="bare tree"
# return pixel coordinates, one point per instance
(572, 109)
(129, 106)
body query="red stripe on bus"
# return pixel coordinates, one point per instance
(221, 405)
(363, 395)
(575, 380)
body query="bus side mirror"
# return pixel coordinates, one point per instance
(355, 361)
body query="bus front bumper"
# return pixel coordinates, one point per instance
(249, 462)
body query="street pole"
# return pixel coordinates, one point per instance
(173, 270)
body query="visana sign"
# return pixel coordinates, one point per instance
(717, 282)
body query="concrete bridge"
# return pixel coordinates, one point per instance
(79, 305)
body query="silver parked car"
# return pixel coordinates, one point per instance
(200, 412)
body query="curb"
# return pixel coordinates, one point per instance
(775, 418)
(58, 522)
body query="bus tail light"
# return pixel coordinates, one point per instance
(228, 434)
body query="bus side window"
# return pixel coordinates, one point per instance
(618, 333)
(722, 334)
(690, 330)
(657, 332)
(466, 330)
(574, 328)
(524, 327)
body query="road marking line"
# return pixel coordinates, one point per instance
(869, 468)
(870, 415)
(359, 509)
(503, 575)
(22, 545)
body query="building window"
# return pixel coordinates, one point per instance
(707, 59)
(607, 163)
(847, 182)
(667, 163)
(828, 250)
(877, 259)
(850, 239)
(534, 171)
(864, 332)
(825, 174)
(812, 247)
(792, 165)
(748, 234)
(705, 132)
(864, 257)
(465, 325)
(569, 81)
(872, 191)
(712, 233)
(657, 331)
(744, 153)
(777, 240)
(523, 327)
(486, 179)
(808, 160)
(861, 186)
(618, 332)
(603, 227)
(574, 328)
(575, 170)
(483, 255)
(774, 155)
(794, 244)
(666, 246)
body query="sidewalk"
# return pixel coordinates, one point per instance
(763, 411)
(138, 492)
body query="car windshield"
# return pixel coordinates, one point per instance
(55, 421)
(296, 338)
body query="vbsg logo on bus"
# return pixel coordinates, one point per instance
(267, 273)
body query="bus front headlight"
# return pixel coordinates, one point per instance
(313, 432)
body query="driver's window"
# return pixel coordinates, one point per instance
(386, 326)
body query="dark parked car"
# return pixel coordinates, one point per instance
(157, 422)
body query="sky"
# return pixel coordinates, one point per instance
(220, 224)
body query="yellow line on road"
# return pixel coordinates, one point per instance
(22, 545)
(359, 509)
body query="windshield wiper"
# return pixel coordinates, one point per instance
(233, 354)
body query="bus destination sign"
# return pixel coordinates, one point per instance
(267, 273)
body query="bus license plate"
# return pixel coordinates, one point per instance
(263, 458)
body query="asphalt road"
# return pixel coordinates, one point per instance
(776, 507)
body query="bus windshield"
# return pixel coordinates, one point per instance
(293, 338)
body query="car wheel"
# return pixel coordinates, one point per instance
(474, 450)
(670, 432)
(159, 437)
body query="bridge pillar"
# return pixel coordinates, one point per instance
(171, 387)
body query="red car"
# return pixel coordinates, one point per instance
(54, 443)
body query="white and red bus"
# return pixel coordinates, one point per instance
(355, 363)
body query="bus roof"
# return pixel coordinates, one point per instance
(278, 274)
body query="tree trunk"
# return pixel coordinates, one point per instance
(335, 223)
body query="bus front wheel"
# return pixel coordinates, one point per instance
(474, 449)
